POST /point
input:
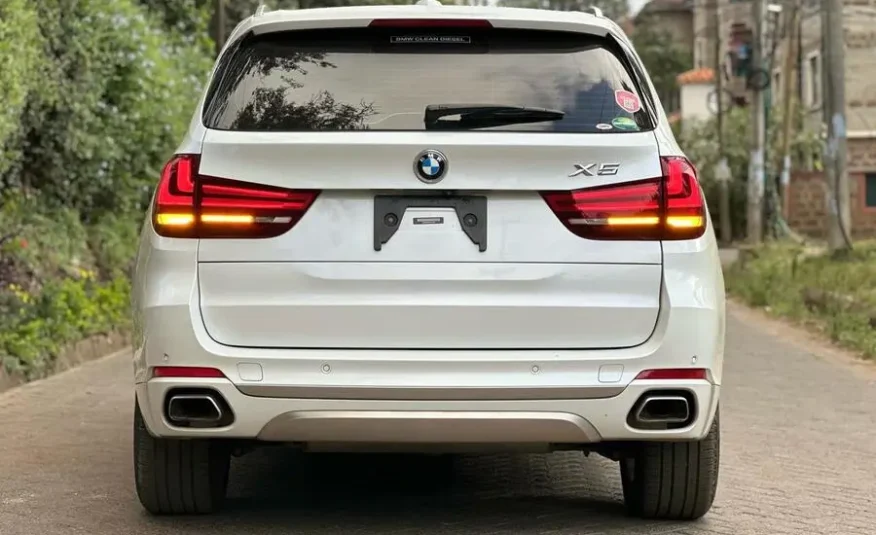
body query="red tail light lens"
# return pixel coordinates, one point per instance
(675, 374)
(187, 372)
(671, 207)
(190, 205)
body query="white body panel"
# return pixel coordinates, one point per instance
(170, 332)
(538, 339)
(435, 306)
(494, 161)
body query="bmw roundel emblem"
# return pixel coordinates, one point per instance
(430, 166)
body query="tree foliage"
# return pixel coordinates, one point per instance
(664, 59)
(613, 9)
(94, 96)
(20, 63)
(114, 94)
(700, 143)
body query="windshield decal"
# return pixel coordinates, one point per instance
(625, 123)
(627, 100)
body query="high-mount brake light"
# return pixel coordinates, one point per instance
(671, 207)
(190, 205)
(430, 23)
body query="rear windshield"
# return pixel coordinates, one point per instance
(386, 79)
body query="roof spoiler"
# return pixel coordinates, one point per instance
(593, 10)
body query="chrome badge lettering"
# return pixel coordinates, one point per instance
(591, 169)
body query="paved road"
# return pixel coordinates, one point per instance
(799, 457)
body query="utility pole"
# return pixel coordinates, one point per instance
(220, 25)
(787, 102)
(724, 178)
(758, 121)
(833, 68)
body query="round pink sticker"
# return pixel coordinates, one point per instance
(627, 100)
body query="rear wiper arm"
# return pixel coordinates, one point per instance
(485, 115)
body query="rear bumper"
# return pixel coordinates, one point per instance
(428, 396)
(560, 421)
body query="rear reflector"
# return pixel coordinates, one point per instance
(190, 205)
(187, 372)
(430, 23)
(675, 373)
(671, 207)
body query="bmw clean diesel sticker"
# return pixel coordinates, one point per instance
(427, 39)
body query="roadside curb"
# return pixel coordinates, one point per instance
(90, 349)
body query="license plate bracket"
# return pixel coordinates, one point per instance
(389, 211)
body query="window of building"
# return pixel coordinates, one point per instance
(813, 80)
(870, 190)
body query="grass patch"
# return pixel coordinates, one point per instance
(833, 294)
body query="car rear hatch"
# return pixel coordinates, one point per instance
(344, 215)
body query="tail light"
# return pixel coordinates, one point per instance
(671, 207)
(190, 205)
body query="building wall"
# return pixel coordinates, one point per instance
(694, 103)
(703, 35)
(859, 21)
(806, 204)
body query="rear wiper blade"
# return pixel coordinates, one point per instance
(485, 115)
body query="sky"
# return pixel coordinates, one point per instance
(636, 5)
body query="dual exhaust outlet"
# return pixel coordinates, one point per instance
(204, 408)
(197, 408)
(663, 410)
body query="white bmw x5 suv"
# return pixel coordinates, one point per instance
(429, 228)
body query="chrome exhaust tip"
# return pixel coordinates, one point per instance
(663, 409)
(195, 410)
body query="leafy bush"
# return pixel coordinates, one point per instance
(114, 239)
(20, 63)
(836, 295)
(95, 95)
(47, 244)
(111, 104)
(700, 143)
(65, 311)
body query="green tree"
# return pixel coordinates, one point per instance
(184, 17)
(700, 143)
(664, 60)
(613, 9)
(20, 64)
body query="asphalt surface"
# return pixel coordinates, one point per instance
(798, 457)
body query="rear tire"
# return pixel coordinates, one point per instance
(179, 476)
(672, 480)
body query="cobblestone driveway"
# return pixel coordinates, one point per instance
(799, 457)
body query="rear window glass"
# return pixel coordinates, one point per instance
(385, 79)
